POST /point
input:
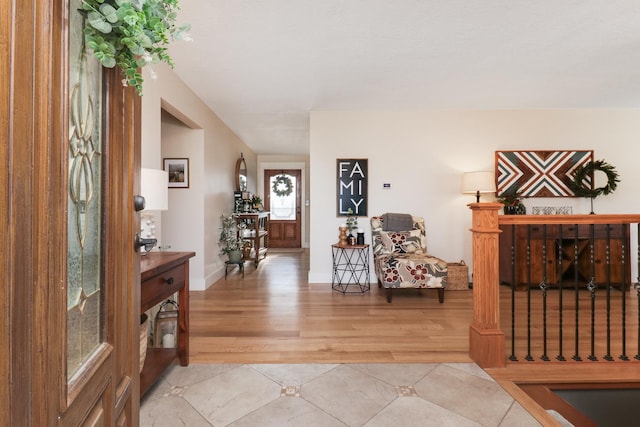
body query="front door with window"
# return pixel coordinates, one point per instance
(69, 316)
(282, 198)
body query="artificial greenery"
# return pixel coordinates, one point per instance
(511, 198)
(586, 171)
(131, 34)
(282, 186)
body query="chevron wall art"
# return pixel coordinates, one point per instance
(538, 173)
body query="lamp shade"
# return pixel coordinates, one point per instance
(478, 183)
(154, 188)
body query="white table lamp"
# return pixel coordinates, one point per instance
(478, 183)
(154, 187)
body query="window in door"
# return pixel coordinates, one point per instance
(85, 319)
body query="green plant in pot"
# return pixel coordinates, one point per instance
(512, 201)
(230, 241)
(256, 201)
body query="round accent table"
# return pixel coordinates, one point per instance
(350, 268)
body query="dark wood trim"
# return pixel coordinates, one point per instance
(33, 193)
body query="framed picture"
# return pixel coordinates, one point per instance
(178, 170)
(538, 173)
(351, 192)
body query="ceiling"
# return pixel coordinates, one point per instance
(263, 65)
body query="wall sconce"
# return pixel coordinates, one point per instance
(154, 188)
(478, 183)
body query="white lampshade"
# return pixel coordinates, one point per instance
(154, 188)
(478, 183)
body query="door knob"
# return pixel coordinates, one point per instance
(148, 244)
(138, 202)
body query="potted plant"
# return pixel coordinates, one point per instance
(256, 201)
(230, 241)
(512, 201)
(352, 224)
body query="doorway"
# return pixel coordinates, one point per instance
(283, 195)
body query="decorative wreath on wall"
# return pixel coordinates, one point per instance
(282, 186)
(581, 174)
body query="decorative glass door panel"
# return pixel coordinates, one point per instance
(283, 202)
(85, 294)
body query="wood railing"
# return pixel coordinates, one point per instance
(566, 262)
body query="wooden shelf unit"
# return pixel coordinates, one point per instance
(553, 250)
(162, 274)
(258, 224)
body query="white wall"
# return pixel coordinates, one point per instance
(423, 155)
(213, 150)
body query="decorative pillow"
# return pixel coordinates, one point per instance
(402, 242)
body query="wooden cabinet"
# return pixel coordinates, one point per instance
(162, 275)
(562, 252)
(257, 226)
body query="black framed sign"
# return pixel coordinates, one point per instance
(352, 187)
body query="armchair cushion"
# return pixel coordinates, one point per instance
(402, 242)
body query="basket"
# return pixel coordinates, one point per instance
(144, 334)
(457, 276)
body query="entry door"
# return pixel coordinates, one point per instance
(69, 310)
(282, 189)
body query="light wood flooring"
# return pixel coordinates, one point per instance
(273, 315)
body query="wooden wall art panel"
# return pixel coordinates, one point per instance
(538, 173)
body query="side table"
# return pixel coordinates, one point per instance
(350, 268)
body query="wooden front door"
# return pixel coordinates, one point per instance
(70, 156)
(285, 222)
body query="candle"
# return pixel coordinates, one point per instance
(168, 341)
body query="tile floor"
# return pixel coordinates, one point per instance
(305, 395)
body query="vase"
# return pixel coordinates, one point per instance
(235, 256)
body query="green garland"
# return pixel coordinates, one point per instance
(132, 34)
(286, 182)
(581, 174)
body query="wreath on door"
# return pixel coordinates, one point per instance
(282, 186)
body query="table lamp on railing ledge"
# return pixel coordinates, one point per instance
(478, 183)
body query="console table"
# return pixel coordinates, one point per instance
(350, 267)
(258, 224)
(561, 251)
(162, 274)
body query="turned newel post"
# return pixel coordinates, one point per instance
(486, 340)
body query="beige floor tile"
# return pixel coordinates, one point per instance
(231, 395)
(413, 411)
(466, 394)
(170, 412)
(293, 374)
(194, 373)
(349, 395)
(288, 412)
(396, 374)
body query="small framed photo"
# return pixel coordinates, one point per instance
(178, 170)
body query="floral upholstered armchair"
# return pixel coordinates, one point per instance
(400, 255)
